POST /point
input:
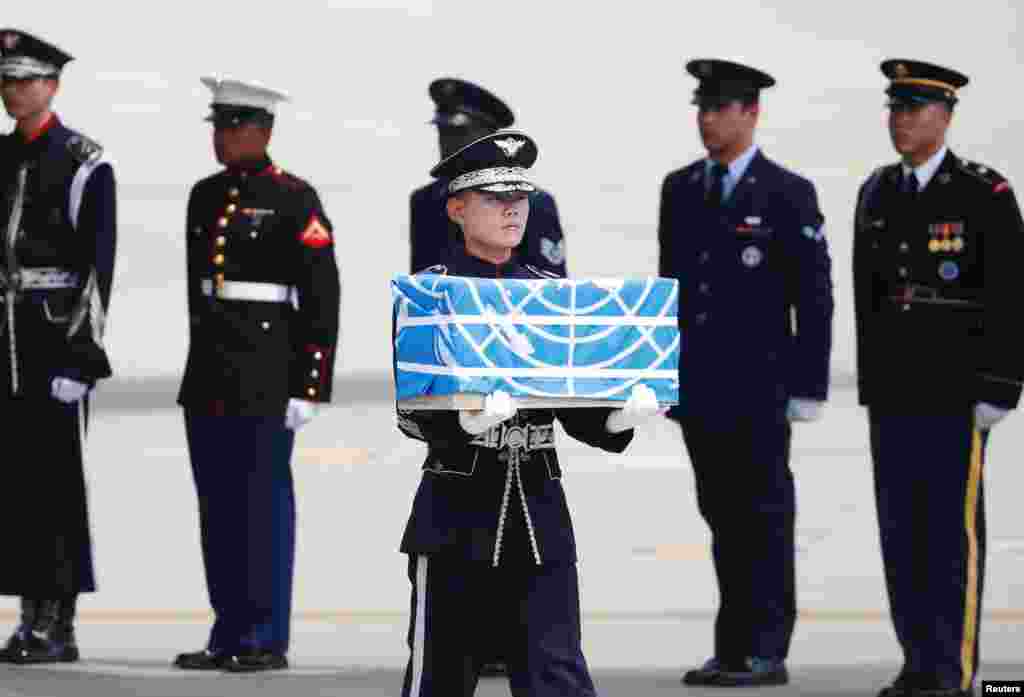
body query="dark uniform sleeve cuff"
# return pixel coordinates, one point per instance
(1000, 392)
(313, 378)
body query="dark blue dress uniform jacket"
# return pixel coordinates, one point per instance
(261, 225)
(755, 290)
(937, 307)
(456, 509)
(68, 223)
(432, 235)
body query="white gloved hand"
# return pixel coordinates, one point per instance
(641, 406)
(299, 413)
(803, 409)
(988, 415)
(498, 407)
(67, 390)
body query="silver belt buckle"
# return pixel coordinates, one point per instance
(514, 437)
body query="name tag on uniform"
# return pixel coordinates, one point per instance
(753, 226)
(258, 214)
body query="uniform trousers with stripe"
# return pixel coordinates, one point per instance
(928, 473)
(463, 612)
(242, 471)
(48, 550)
(747, 496)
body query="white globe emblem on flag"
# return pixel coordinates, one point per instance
(542, 338)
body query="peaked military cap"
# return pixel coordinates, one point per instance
(461, 103)
(721, 80)
(497, 162)
(23, 56)
(920, 82)
(236, 102)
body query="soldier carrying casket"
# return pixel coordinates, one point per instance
(492, 557)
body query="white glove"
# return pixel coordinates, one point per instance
(641, 406)
(67, 390)
(498, 407)
(803, 409)
(988, 415)
(299, 413)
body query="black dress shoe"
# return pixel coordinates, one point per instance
(255, 660)
(753, 672)
(28, 647)
(494, 669)
(705, 675)
(200, 660)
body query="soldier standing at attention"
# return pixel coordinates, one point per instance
(745, 238)
(492, 555)
(58, 217)
(937, 249)
(464, 113)
(263, 299)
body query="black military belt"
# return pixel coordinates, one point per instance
(251, 291)
(39, 278)
(526, 437)
(912, 293)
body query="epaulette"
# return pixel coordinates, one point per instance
(985, 174)
(83, 149)
(541, 272)
(436, 269)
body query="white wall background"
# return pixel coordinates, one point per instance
(600, 86)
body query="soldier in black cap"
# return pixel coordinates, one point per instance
(263, 299)
(492, 556)
(464, 113)
(745, 238)
(938, 243)
(58, 218)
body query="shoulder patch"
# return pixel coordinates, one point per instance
(437, 269)
(83, 149)
(541, 273)
(316, 234)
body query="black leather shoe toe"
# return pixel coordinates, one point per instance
(753, 672)
(707, 674)
(255, 661)
(200, 660)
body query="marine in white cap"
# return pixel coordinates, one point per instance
(263, 299)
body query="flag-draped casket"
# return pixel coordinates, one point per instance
(547, 342)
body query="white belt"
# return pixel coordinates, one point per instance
(43, 278)
(248, 290)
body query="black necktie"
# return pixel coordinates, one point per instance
(910, 185)
(717, 191)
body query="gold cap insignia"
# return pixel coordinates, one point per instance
(901, 71)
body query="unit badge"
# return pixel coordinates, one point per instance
(948, 271)
(553, 251)
(10, 40)
(751, 256)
